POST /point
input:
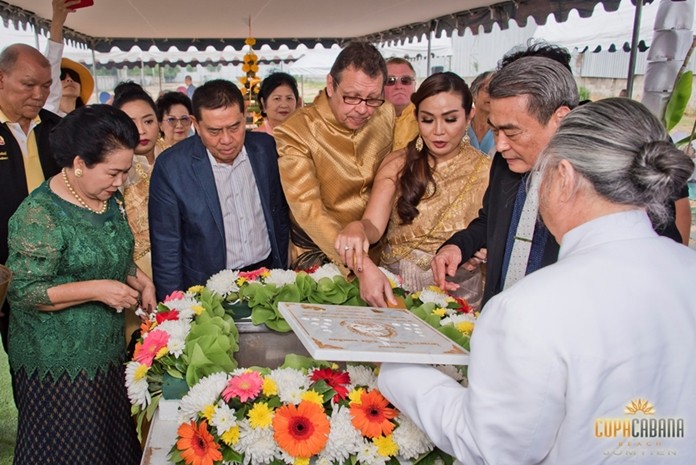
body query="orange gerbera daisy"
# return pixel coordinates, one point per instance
(301, 431)
(197, 445)
(371, 416)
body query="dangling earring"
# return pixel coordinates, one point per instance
(419, 143)
(466, 140)
(78, 172)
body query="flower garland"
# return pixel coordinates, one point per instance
(304, 411)
(189, 336)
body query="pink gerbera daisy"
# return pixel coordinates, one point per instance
(245, 386)
(153, 343)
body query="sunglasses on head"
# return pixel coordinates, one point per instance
(405, 80)
(65, 72)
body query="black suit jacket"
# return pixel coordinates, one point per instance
(186, 226)
(12, 176)
(490, 229)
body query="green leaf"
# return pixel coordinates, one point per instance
(231, 455)
(174, 373)
(678, 100)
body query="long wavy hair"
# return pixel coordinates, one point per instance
(417, 172)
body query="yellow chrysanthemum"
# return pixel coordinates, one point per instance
(196, 289)
(435, 289)
(140, 372)
(250, 41)
(208, 411)
(260, 415)
(415, 295)
(314, 397)
(161, 353)
(231, 436)
(441, 312)
(269, 388)
(198, 309)
(266, 274)
(386, 447)
(301, 461)
(335, 366)
(355, 395)
(241, 280)
(465, 327)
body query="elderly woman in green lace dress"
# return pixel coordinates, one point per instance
(71, 253)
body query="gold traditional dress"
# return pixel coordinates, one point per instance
(327, 172)
(461, 183)
(406, 127)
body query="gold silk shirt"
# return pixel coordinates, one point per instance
(327, 170)
(406, 127)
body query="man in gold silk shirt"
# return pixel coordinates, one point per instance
(400, 85)
(330, 151)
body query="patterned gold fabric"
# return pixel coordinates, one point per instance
(327, 170)
(135, 195)
(406, 128)
(461, 183)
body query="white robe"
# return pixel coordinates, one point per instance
(612, 321)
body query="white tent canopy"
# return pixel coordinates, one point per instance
(218, 23)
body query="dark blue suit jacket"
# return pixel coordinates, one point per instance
(186, 226)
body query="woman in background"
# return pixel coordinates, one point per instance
(569, 349)
(422, 194)
(278, 98)
(174, 116)
(71, 252)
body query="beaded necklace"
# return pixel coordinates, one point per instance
(79, 199)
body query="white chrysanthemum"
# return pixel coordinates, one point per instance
(291, 384)
(203, 394)
(177, 330)
(361, 375)
(223, 282)
(344, 439)
(223, 418)
(184, 306)
(368, 455)
(412, 442)
(393, 279)
(281, 277)
(437, 298)
(458, 318)
(257, 444)
(136, 384)
(329, 270)
(322, 461)
(452, 371)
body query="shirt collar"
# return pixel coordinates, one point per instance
(5, 119)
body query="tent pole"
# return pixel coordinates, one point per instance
(634, 49)
(430, 46)
(94, 72)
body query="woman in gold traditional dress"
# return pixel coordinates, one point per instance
(423, 194)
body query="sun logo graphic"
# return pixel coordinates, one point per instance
(639, 406)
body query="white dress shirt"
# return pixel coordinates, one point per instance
(246, 234)
(614, 320)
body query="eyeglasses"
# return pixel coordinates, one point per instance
(370, 102)
(172, 121)
(405, 80)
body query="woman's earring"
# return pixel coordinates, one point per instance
(466, 140)
(78, 172)
(419, 143)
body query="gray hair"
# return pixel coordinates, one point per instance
(623, 151)
(478, 82)
(547, 84)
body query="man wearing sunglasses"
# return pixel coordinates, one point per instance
(329, 153)
(400, 85)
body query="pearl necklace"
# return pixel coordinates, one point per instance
(79, 199)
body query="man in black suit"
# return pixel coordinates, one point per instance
(216, 201)
(25, 156)
(529, 98)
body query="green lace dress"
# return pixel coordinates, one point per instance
(68, 365)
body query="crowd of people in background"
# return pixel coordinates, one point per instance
(543, 211)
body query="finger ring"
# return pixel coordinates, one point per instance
(119, 309)
(347, 248)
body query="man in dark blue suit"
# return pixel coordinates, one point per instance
(216, 200)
